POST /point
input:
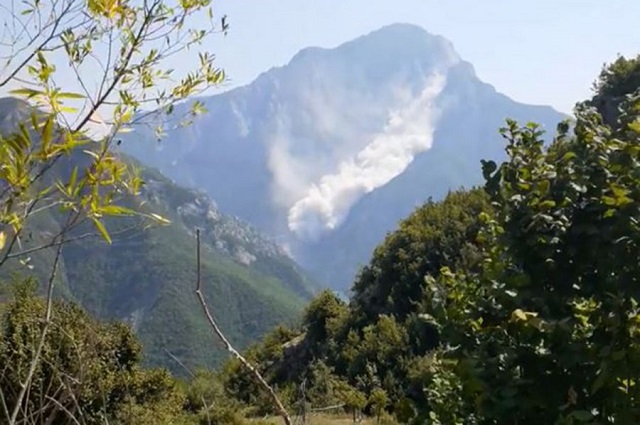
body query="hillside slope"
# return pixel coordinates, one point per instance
(147, 276)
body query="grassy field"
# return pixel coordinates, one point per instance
(322, 420)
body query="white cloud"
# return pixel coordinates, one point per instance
(325, 203)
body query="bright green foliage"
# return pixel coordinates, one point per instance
(379, 401)
(354, 401)
(207, 399)
(548, 331)
(436, 235)
(270, 358)
(91, 373)
(322, 318)
(323, 310)
(325, 388)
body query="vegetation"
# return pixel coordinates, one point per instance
(61, 187)
(511, 303)
(91, 372)
(514, 303)
(146, 277)
(62, 180)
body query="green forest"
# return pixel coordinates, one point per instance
(508, 303)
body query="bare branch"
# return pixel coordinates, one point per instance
(5, 408)
(55, 242)
(24, 387)
(282, 411)
(207, 407)
(53, 34)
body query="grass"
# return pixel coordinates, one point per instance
(324, 419)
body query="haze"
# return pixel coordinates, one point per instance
(540, 52)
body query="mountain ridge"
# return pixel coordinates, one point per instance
(298, 149)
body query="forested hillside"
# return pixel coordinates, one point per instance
(146, 276)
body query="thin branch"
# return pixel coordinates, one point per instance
(55, 242)
(282, 411)
(334, 407)
(122, 68)
(64, 409)
(207, 407)
(35, 51)
(5, 408)
(47, 321)
(16, 234)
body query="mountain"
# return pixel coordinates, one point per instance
(330, 151)
(146, 277)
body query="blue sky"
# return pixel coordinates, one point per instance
(536, 51)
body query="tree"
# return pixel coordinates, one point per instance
(437, 234)
(354, 400)
(112, 57)
(322, 318)
(207, 397)
(371, 342)
(547, 331)
(117, 51)
(379, 401)
(616, 81)
(88, 372)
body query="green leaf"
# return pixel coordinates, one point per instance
(103, 230)
(548, 204)
(619, 191)
(116, 210)
(91, 153)
(69, 95)
(543, 187)
(635, 127)
(73, 178)
(47, 132)
(26, 92)
(581, 415)
(68, 109)
(518, 314)
(159, 218)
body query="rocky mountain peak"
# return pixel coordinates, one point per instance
(304, 148)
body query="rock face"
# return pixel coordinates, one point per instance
(328, 152)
